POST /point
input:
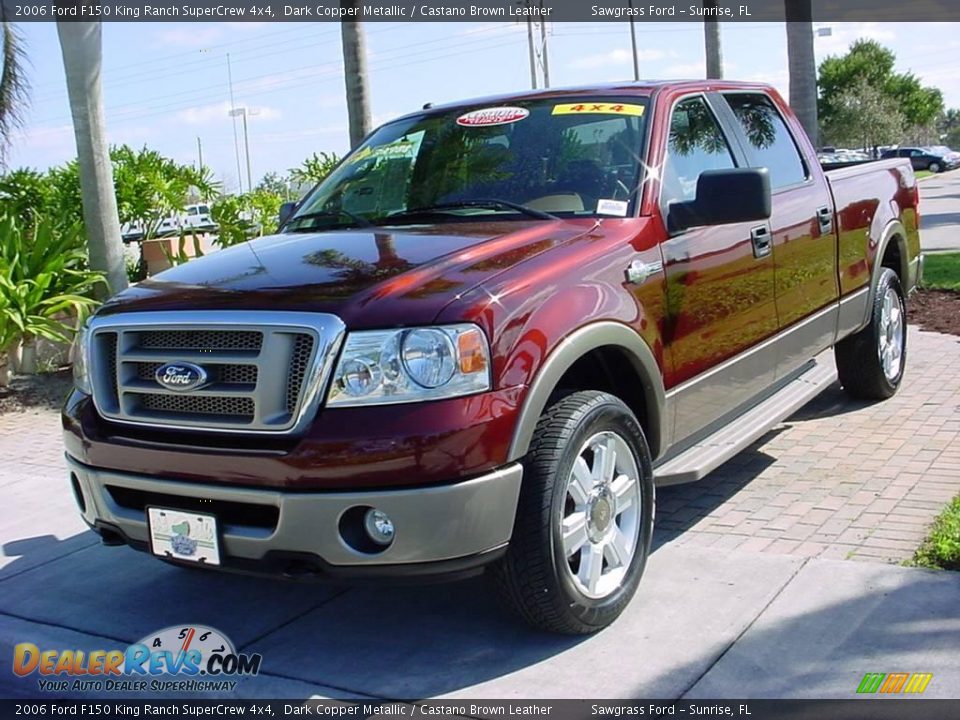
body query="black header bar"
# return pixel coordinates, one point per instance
(476, 10)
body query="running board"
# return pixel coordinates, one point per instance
(697, 461)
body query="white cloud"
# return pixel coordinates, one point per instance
(218, 112)
(695, 70)
(51, 137)
(300, 135)
(617, 56)
(842, 35)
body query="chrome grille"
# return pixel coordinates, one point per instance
(299, 364)
(204, 340)
(203, 404)
(227, 374)
(264, 370)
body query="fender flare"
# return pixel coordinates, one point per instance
(566, 353)
(893, 232)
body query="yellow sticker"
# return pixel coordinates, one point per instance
(598, 109)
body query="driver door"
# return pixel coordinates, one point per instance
(720, 283)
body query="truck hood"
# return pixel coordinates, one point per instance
(369, 278)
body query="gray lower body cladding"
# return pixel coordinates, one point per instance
(449, 526)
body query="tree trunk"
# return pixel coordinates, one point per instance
(355, 77)
(711, 43)
(802, 65)
(80, 44)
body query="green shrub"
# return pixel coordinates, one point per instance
(941, 549)
(44, 280)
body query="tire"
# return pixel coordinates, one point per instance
(609, 525)
(871, 362)
(934, 167)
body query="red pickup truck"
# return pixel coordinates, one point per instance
(487, 335)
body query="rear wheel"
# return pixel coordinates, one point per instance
(585, 518)
(871, 363)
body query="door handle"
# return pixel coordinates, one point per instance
(825, 218)
(762, 241)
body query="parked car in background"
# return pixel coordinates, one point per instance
(952, 157)
(197, 217)
(922, 158)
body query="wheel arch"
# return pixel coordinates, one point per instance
(593, 342)
(891, 253)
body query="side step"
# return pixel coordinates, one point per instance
(697, 461)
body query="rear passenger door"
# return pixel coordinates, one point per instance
(802, 225)
(720, 286)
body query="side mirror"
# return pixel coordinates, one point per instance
(724, 196)
(286, 210)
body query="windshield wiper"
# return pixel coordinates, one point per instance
(492, 203)
(358, 219)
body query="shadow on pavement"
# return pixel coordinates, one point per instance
(933, 220)
(836, 621)
(435, 638)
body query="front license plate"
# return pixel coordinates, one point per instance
(180, 535)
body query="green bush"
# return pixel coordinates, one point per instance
(941, 549)
(44, 280)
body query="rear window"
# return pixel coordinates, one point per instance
(769, 142)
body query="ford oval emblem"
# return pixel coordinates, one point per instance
(181, 376)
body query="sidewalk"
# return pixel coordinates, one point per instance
(748, 593)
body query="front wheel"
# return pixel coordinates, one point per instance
(585, 517)
(870, 364)
(935, 167)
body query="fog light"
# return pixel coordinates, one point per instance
(378, 526)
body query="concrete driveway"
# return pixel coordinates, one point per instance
(748, 594)
(940, 212)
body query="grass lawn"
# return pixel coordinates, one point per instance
(941, 271)
(941, 549)
(922, 174)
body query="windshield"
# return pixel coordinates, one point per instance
(529, 159)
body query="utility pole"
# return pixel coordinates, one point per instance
(533, 56)
(236, 142)
(543, 47)
(243, 112)
(199, 154)
(355, 75)
(633, 42)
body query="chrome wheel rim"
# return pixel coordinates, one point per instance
(600, 524)
(890, 347)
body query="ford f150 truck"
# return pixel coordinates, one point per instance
(487, 335)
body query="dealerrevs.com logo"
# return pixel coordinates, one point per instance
(181, 658)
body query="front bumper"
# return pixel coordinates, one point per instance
(449, 526)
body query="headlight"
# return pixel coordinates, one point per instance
(380, 367)
(81, 360)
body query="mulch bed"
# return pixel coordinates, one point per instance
(28, 393)
(935, 310)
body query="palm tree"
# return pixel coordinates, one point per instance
(802, 65)
(13, 85)
(355, 76)
(711, 41)
(81, 44)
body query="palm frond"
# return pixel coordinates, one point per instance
(14, 86)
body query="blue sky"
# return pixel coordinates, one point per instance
(166, 84)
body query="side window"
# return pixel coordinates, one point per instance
(769, 143)
(696, 144)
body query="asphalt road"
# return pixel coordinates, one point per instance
(940, 212)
